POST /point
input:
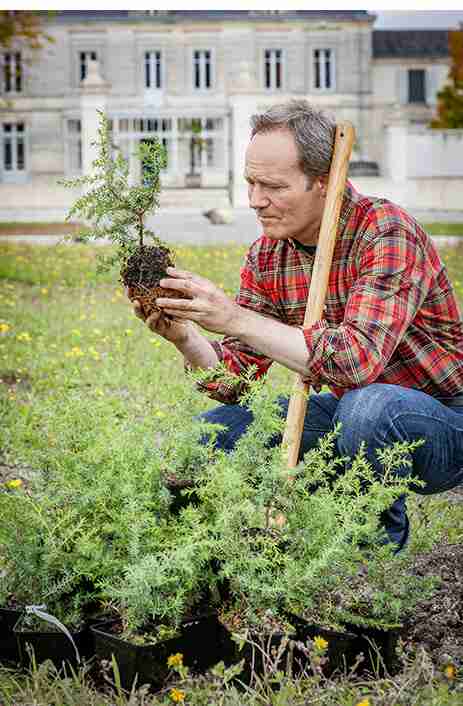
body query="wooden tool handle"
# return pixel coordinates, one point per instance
(345, 136)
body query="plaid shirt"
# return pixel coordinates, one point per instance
(390, 315)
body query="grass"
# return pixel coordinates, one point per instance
(43, 228)
(442, 228)
(73, 361)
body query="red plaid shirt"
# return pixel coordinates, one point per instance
(390, 316)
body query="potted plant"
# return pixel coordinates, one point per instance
(326, 573)
(166, 603)
(76, 527)
(115, 210)
(10, 610)
(37, 538)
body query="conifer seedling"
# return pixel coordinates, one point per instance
(116, 210)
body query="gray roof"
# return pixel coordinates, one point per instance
(212, 15)
(415, 43)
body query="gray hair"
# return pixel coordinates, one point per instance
(313, 132)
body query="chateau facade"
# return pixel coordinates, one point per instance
(192, 79)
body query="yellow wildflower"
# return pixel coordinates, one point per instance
(363, 702)
(4, 328)
(175, 660)
(15, 483)
(320, 643)
(44, 290)
(177, 695)
(450, 671)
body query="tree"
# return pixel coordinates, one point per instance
(450, 98)
(24, 28)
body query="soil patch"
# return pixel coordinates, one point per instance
(13, 378)
(39, 228)
(437, 623)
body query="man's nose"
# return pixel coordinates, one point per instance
(257, 198)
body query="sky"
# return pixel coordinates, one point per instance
(410, 19)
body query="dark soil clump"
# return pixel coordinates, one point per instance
(142, 273)
(146, 267)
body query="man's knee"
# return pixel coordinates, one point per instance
(366, 415)
(234, 419)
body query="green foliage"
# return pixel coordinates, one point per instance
(23, 28)
(115, 209)
(94, 411)
(450, 98)
(163, 586)
(331, 546)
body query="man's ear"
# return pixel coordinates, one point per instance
(322, 184)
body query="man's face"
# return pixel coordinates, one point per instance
(277, 189)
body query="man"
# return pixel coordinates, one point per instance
(390, 343)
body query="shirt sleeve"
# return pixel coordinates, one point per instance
(235, 355)
(391, 285)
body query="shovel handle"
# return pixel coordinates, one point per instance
(345, 136)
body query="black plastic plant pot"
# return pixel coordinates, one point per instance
(264, 654)
(8, 644)
(202, 641)
(54, 646)
(377, 646)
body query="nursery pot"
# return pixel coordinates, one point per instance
(8, 643)
(258, 662)
(377, 646)
(201, 641)
(53, 645)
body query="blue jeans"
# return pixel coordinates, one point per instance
(379, 415)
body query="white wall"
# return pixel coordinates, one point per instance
(421, 153)
(437, 153)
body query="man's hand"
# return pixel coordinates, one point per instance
(207, 304)
(174, 331)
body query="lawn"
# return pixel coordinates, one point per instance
(75, 361)
(57, 228)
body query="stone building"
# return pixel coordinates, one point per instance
(192, 79)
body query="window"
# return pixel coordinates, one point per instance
(416, 86)
(153, 79)
(202, 69)
(74, 146)
(323, 69)
(273, 69)
(84, 57)
(13, 148)
(12, 72)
